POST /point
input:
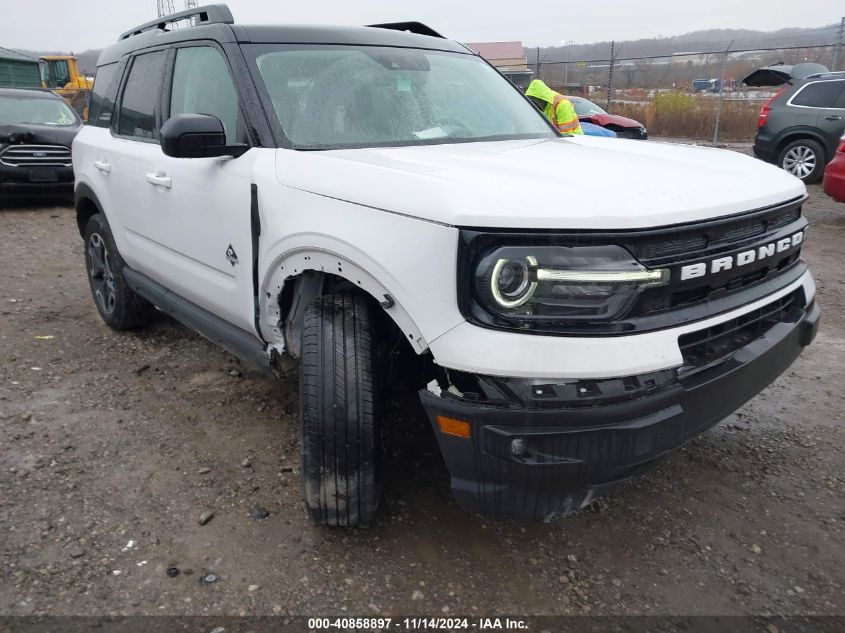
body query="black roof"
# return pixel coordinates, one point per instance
(378, 35)
(32, 93)
(356, 35)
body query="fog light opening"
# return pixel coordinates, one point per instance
(518, 447)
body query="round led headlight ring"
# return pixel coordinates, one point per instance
(510, 282)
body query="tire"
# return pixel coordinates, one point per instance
(339, 412)
(803, 158)
(119, 306)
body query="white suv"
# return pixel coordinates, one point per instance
(378, 202)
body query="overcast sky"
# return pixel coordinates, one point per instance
(80, 24)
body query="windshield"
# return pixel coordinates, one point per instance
(584, 107)
(332, 97)
(35, 110)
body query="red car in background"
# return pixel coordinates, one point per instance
(834, 174)
(623, 126)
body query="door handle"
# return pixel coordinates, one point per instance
(160, 179)
(833, 117)
(103, 165)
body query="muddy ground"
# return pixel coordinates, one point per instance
(113, 445)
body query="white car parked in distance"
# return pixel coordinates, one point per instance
(381, 205)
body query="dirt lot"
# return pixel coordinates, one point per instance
(113, 445)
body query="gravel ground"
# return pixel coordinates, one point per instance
(114, 446)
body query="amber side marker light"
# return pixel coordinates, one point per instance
(451, 426)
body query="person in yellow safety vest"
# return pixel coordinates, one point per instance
(557, 108)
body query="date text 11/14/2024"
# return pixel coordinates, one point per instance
(416, 624)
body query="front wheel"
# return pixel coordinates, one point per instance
(803, 158)
(339, 412)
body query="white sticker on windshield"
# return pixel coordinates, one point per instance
(432, 132)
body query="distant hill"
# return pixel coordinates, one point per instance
(708, 40)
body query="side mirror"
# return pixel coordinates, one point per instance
(196, 136)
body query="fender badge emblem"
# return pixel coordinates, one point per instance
(231, 255)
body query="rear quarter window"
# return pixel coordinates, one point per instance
(103, 96)
(818, 94)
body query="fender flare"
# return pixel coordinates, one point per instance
(293, 263)
(81, 193)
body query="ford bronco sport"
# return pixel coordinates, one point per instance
(379, 201)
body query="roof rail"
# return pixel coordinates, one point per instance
(827, 74)
(209, 14)
(413, 27)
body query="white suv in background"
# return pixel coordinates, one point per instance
(380, 204)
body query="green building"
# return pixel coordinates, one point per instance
(18, 71)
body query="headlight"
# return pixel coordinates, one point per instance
(526, 286)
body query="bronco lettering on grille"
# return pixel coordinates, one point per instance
(700, 269)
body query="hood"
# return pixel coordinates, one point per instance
(612, 119)
(564, 183)
(780, 73)
(540, 90)
(29, 134)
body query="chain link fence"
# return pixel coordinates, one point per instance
(695, 95)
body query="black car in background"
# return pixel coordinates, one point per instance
(800, 127)
(36, 131)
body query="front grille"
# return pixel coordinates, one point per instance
(35, 156)
(708, 240)
(713, 344)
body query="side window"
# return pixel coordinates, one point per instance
(817, 95)
(202, 85)
(141, 96)
(102, 96)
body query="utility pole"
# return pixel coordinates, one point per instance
(837, 50)
(538, 63)
(165, 8)
(610, 75)
(567, 44)
(721, 88)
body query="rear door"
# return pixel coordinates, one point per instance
(131, 156)
(197, 231)
(92, 147)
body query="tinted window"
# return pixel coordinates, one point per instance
(140, 101)
(58, 73)
(102, 97)
(202, 85)
(817, 95)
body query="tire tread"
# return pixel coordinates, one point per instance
(338, 412)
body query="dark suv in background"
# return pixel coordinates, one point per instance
(800, 127)
(37, 128)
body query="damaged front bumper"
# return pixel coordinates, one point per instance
(532, 450)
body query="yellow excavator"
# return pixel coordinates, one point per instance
(60, 73)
